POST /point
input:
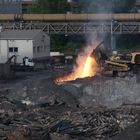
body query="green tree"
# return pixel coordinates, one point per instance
(50, 6)
(67, 44)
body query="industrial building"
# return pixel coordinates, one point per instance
(14, 6)
(33, 44)
(11, 6)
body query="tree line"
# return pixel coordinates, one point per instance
(82, 6)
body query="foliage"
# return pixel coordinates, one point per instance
(50, 6)
(66, 43)
(79, 6)
(128, 43)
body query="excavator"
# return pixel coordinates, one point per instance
(119, 64)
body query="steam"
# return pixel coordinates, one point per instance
(107, 6)
(101, 6)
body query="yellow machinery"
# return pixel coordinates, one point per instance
(118, 65)
(123, 64)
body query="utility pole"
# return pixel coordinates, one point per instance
(0, 37)
(113, 38)
(71, 5)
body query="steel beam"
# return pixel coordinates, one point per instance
(76, 27)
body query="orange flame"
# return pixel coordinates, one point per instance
(86, 66)
(88, 69)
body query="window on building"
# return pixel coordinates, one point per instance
(38, 49)
(45, 48)
(13, 49)
(34, 49)
(41, 48)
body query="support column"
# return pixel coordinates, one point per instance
(113, 39)
(113, 42)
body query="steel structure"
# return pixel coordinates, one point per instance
(112, 27)
(74, 23)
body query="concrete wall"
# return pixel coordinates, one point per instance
(41, 45)
(3, 51)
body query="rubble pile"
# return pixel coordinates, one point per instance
(105, 91)
(98, 108)
(57, 122)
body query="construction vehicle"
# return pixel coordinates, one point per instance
(124, 64)
(118, 64)
(27, 65)
(8, 69)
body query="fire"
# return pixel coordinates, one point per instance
(86, 66)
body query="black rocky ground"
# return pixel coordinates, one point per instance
(33, 107)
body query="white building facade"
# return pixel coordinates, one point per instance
(33, 44)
